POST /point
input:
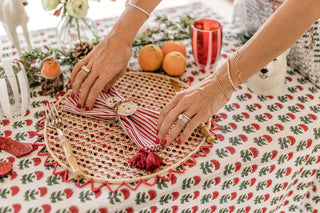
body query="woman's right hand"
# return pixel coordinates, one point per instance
(106, 62)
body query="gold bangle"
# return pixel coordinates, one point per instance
(238, 72)
(221, 88)
(139, 8)
(229, 75)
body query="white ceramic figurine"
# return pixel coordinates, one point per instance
(270, 81)
(12, 15)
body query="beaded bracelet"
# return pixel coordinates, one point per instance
(229, 75)
(139, 8)
(221, 88)
(238, 72)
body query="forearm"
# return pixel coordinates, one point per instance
(132, 19)
(280, 32)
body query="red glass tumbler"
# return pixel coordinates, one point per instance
(206, 42)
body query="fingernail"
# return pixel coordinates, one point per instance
(157, 141)
(164, 142)
(157, 131)
(86, 108)
(79, 105)
(69, 81)
(108, 90)
(179, 141)
(72, 95)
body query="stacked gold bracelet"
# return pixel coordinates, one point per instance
(222, 89)
(229, 75)
(238, 72)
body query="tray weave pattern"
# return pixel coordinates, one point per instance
(103, 149)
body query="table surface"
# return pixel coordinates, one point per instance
(266, 158)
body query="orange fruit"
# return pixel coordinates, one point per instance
(150, 57)
(174, 63)
(50, 69)
(171, 46)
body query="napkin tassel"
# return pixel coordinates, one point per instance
(146, 160)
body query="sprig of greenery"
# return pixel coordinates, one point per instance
(165, 30)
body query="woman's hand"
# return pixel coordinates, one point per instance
(106, 62)
(198, 102)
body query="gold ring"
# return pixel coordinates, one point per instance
(184, 118)
(86, 69)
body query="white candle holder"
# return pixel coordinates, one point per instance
(14, 87)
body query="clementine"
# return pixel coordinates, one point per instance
(150, 57)
(174, 63)
(50, 69)
(171, 46)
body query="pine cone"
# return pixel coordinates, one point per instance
(81, 49)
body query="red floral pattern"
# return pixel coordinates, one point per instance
(266, 159)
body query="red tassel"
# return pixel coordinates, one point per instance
(153, 162)
(139, 160)
(146, 160)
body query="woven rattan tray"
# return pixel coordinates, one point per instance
(102, 148)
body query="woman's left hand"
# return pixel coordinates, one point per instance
(198, 103)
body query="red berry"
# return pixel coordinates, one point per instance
(249, 96)
(300, 106)
(312, 116)
(243, 137)
(43, 191)
(236, 105)
(254, 168)
(245, 114)
(290, 155)
(280, 127)
(233, 125)
(230, 149)
(309, 143)
(274, 154)
(125, 193)
(267, 137)
(175, 195)
(233, 195)
(217, 180)
(292, 116)
(196, 194)
(288, 171)
(310, 96)
(253, 181)
(152, 194)
(250, 194)
(279, 105)
(258, 105)
(216, 164)
(235, 181)
(254, 151)
(272, 167)
(256, 126)
(304, 127)
(269, 182)
(215, 195)
(238, 166)
(197, 180)
(14, 190)
(269, 116)
(292, 140)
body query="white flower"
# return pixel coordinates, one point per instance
(77, 8)
(50, 4)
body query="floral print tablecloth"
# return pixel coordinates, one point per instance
(266, 158)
